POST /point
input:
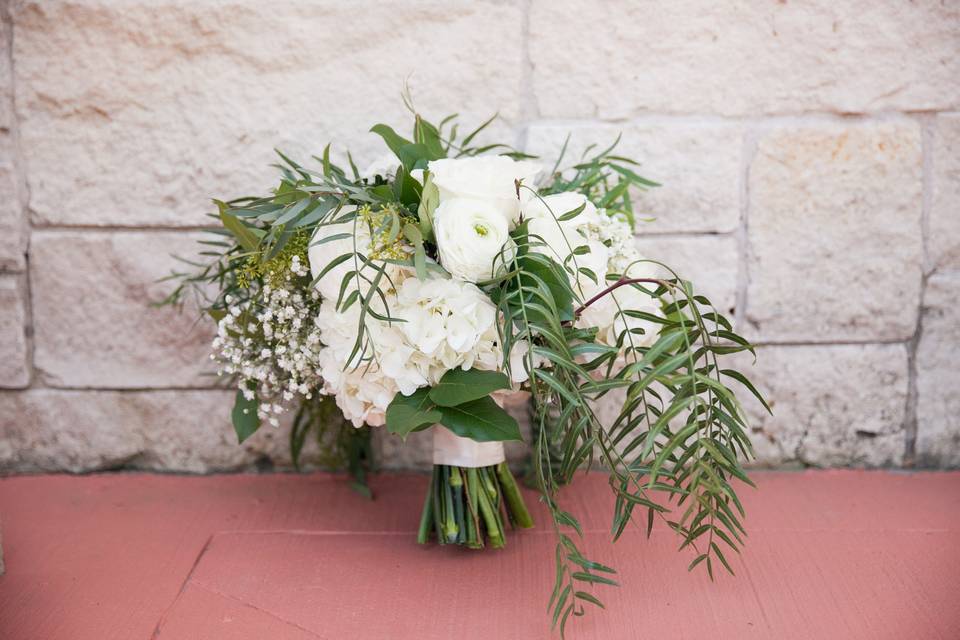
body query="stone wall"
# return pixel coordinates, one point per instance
(810, 153)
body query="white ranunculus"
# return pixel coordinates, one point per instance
(490, 178)
(470, 235)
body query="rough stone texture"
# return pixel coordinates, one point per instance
(6, 72)
(697, 164)
(944, 232)
(834, 232)
(173, 102)
(615, 59)
(14, 365)
(13, 237)
(832, 405)
(93, 323)
(13, 233)
(938, 375)
(710, 262)
(50, 430)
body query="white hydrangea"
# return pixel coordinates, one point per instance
(450, 321)
(447, 324)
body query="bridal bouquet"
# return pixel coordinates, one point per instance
(420, 292)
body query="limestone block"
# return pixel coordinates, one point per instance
(835, 245)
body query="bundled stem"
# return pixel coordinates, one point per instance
(466, 506)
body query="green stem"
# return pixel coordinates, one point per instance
(426, 518)
(435, 490)
(516, 507)
(494, 531)
(466, 506)
(449, 516)
(472, 489)
(456, 488)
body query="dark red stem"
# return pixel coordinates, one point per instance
(616, 285)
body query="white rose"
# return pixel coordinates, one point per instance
(470, 235)
(490, 178)
(596, 261)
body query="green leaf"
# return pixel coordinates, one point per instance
(593, 578)
(412, 233)
(246, 237)
(428, 135)
(458, 386)
(429, 200)
(589, 597)
(244, 416)
(481, 420)
(411, 413)
(394, 140)
(742, 379)
(553, 276)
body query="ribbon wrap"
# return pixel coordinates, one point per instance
(450, 449)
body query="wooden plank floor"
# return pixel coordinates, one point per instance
(833, 555)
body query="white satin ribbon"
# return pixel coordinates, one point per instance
(450, 449)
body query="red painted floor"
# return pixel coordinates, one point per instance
(832, 555)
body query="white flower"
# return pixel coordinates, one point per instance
(321, 255)
(449, 323)
(519, 362)
(606, 313)
(490, 178)
(384, 166)
(562, 237)
(558, 204)
(470, 235)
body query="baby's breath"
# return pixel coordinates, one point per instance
(270, 345)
